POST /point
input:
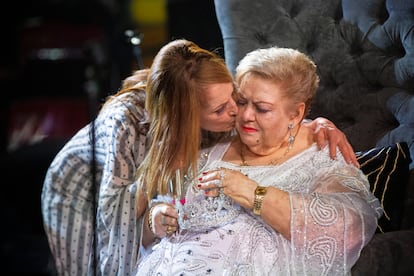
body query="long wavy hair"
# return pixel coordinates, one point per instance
(179, 73)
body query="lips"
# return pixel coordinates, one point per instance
(248, 129)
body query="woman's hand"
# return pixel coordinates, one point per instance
(160, 221)
(325, 130)
(276, 205)
(163, 220)
(233, 183)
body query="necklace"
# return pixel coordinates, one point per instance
(272, 162)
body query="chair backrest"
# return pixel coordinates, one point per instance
(364, 53)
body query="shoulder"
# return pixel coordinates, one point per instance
(215, 152)
(126, 110)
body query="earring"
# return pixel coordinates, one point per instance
(291, 138)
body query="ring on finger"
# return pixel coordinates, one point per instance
(217, 182)
(169, 230)
(221, 175)
(220, 182)
(328, 126)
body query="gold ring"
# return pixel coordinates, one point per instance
(169, 229)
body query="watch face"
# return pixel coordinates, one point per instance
(260, 190)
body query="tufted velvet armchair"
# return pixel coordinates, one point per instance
(364, 50)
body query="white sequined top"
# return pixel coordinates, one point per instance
(333, 216)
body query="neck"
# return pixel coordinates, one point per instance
(285, 148)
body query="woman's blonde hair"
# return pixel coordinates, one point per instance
(293, 70)
(179, 73)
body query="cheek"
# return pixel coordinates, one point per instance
(270, 123)
(208, 123)
(274, 128)
(216, 124)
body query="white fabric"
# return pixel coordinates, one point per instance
(333, 215)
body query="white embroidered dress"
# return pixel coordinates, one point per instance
(333, 215)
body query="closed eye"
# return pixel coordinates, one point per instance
(243, 102)
(261, 110)
(221, 109)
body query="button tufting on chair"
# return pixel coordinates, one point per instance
(390, 29)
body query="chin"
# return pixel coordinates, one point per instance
(228, 128)
(248, 140)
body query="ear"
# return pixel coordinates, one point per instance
(297, 115)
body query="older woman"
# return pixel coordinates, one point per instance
(268, 202)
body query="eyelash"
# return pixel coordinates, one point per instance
(241, 102)
(258, 109)
(220, 110)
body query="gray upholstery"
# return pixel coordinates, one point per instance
(364, 50)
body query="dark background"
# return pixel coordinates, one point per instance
(61, 91)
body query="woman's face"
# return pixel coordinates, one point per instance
(263, 116)
(218, 108)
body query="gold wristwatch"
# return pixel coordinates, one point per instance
(259, 194)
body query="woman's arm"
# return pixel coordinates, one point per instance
(282, 210)
(123, 146)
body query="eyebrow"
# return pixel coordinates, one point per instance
(261, 102)
(257, 102)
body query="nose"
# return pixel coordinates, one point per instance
(246, 112)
